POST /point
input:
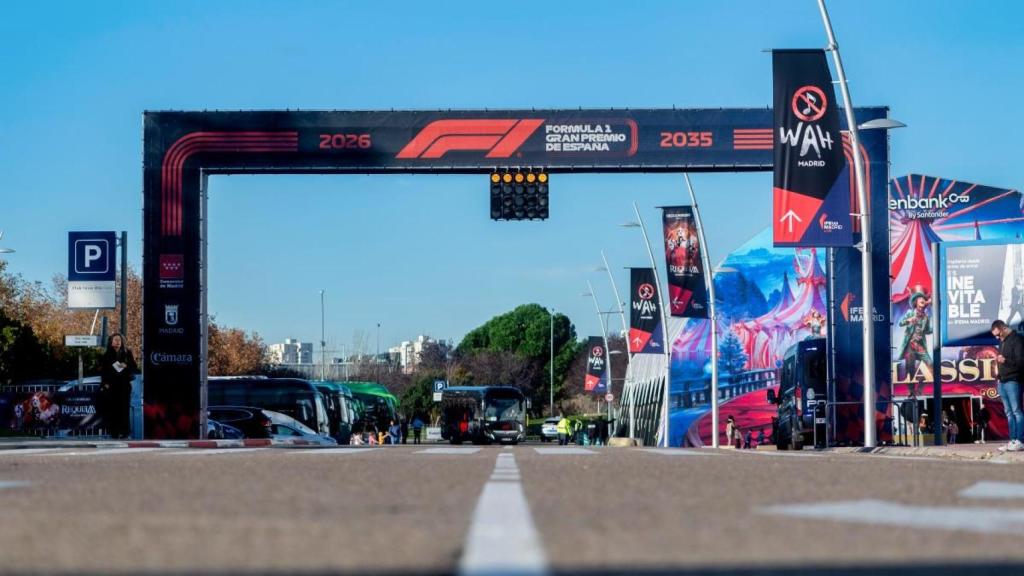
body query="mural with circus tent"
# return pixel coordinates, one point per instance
(769, 298)
(925, 210)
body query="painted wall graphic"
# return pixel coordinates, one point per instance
(768, 299)
(924, 210)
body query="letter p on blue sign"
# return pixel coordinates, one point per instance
(92, 256)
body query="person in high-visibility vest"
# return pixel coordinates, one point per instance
(563, 431)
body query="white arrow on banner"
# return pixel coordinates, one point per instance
(790, 216)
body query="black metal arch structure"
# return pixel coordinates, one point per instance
(182, 149)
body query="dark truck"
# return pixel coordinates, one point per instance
(483, 414)
(801, 397)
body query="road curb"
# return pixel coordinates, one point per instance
(182, 444)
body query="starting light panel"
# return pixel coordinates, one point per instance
(519, 195)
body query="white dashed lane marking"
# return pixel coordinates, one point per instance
(678, 452)
(329, 451)
(214, 451)
(502, 536)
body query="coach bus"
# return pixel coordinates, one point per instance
(802, 396)
(483, 414)
(374, 406)
(297, 398)
(340, 408)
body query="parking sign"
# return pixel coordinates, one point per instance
(92, 269)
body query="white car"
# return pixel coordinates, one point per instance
(549, 430)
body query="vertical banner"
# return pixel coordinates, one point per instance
(597, 366)
(645, 335)
(687, 290)
(811, 207)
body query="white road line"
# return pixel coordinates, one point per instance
(557, 450)
(502, 537)
(328, 451)
(213, 451)
(992, 490)
(26, 451)
(107, 452)
(981, 520)
(780, 453)
(679, 452)
(5, 484)
(451, 450)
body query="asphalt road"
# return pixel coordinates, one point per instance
(491, 510)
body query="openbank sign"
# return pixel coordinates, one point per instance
(937, 203)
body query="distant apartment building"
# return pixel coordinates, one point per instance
(291, 352)
(407, 354)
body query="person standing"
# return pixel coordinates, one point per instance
(563, 431)
(417, 430)
(731, 432)
(117, 367)
(1010, 361)
(394, 433)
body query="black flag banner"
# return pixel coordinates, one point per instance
(687, 291)
(811, 208)
(645, 315)
(597, 366)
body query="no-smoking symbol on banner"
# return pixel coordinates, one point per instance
(645, 291)
(809, 103)
(598, 352)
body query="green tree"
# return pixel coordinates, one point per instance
(731, 358)
(418, 398)
(516, 347)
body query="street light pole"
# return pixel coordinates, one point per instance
(867, 296)
(625, 334)
(604, 336)
(666, 344)
(709, 281)
(323, 341)
(551, 365)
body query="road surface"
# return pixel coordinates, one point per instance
(490, 510)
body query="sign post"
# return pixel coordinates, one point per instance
(439, 388)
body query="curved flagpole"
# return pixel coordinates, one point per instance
(709, 282)
(625, 334)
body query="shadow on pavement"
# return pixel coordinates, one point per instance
(956, 569)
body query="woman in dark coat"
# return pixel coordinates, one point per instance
(117, 368)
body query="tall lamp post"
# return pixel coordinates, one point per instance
(5, 250)
(867, 297)
(604, 335)
(551, 364)
(323, 341)
(627, 385)
(667, 345)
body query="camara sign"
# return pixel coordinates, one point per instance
(91, 269)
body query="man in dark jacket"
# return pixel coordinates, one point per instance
(1011, 363)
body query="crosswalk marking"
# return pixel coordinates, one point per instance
(27, 451)
(449, 450)
(563, 450)
(969, 519)
(106, 452)
(213, 451)
(679, 452)
(993, 490)
(5, 484)
(329, 451)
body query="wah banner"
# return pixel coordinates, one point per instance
(811, 207)
(597, 366)
(645, 335)
(980, 282)
(687, 289)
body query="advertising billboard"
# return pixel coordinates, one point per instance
(684, 261)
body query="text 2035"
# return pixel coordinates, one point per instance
(686, 140)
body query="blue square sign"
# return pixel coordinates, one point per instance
(92, 256)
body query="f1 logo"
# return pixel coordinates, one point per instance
(91, 255)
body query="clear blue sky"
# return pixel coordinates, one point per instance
(419, 254)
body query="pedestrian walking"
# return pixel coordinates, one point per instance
(1010, 362)
(952, 432)
(732, 433)
(405, 430)
(417, 430)
(117, 367)
(563, 431)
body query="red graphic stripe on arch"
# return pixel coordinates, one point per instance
(186, 146)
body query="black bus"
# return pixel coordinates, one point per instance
(802, 396)
(297, 398)
(340, 408)
(483, 414)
